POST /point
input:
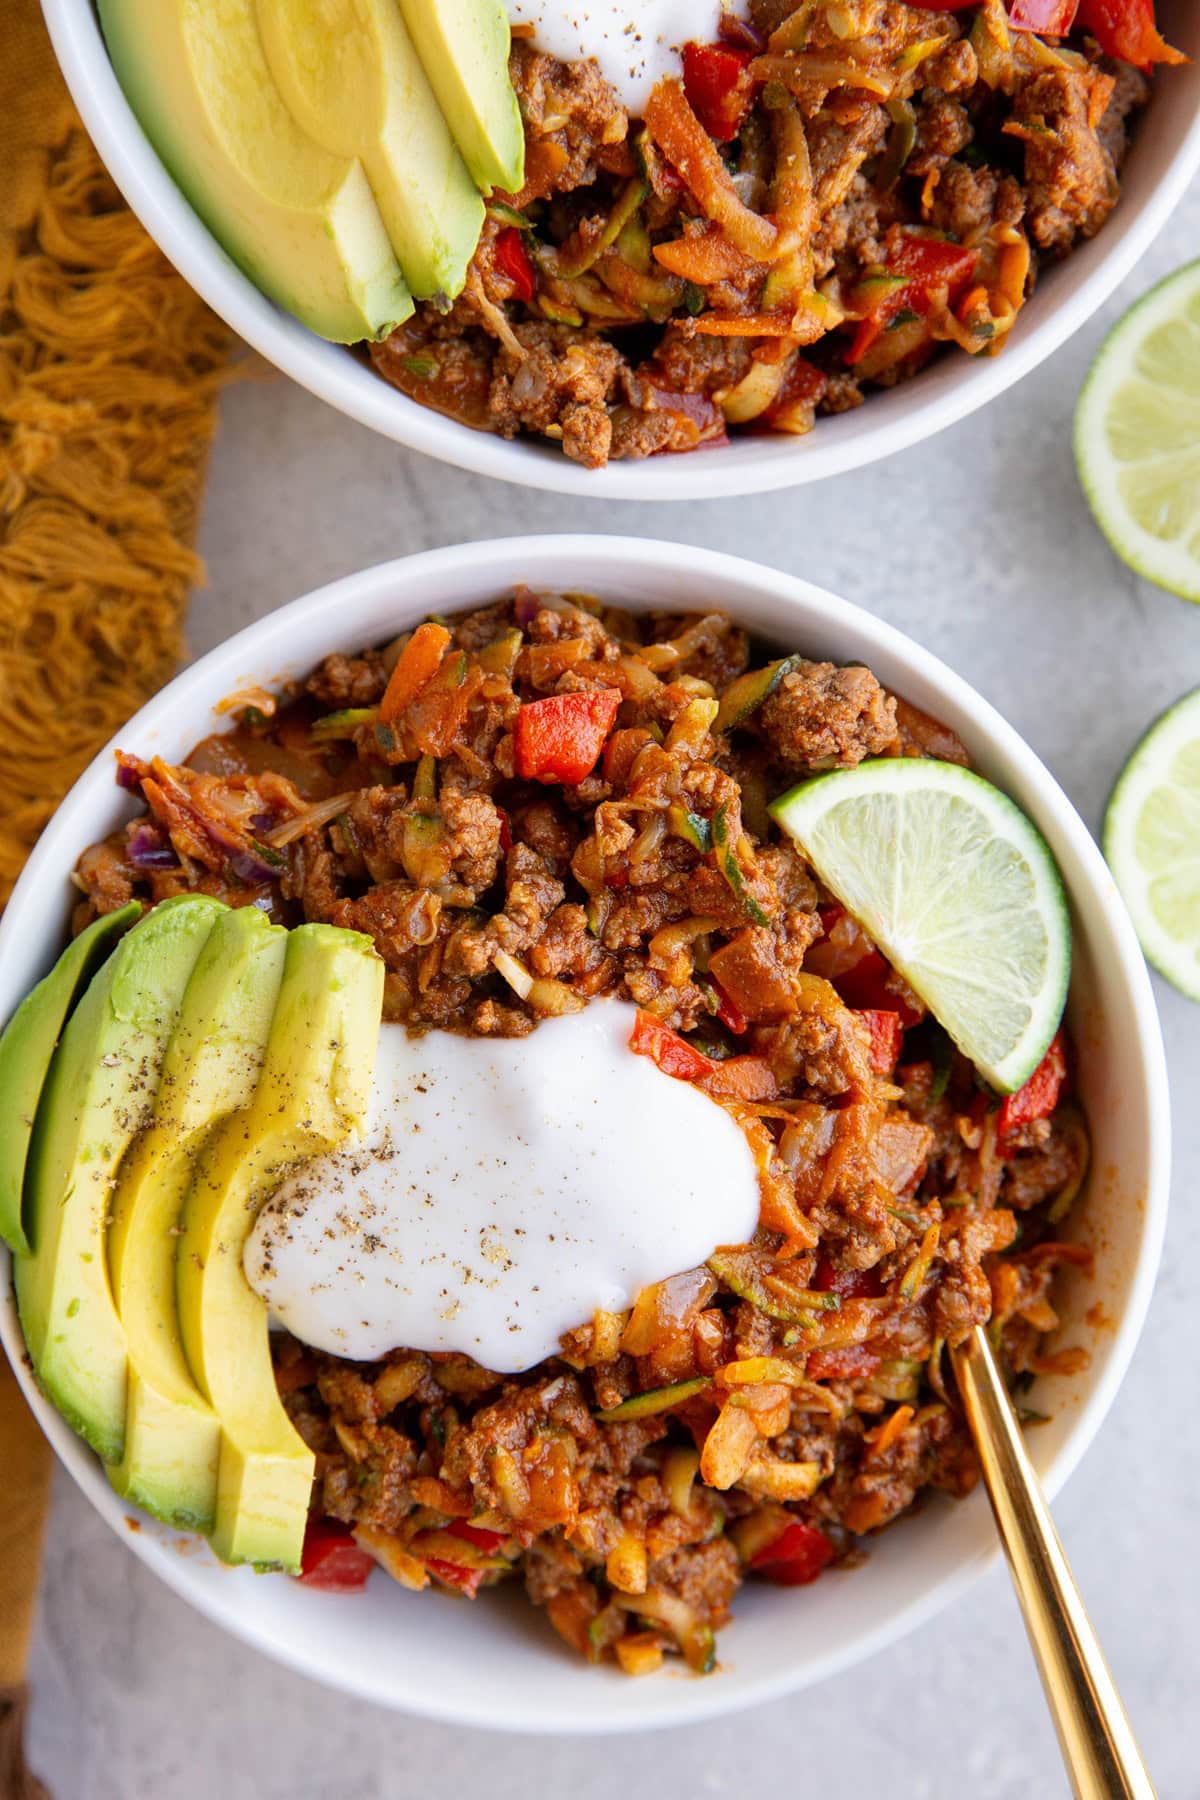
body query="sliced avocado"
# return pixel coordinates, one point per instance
(313, 1091)
(352, 80)
(98, 1095)
(464, 46)
(25, 1051)
(211, 1068)
(301, 223)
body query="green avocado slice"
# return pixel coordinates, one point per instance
(98, 1096)
(464, 46)
(301, 222)
(211, 1068)
(25, 1052)
(314, 1090)
(352, 80)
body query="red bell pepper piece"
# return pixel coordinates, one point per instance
(861, 974)
(796, 1557)
(850, 1362)
(1126, 29)
(1054, 17)
(887, 1034)
(864, 987)
(480, 1535)
(718, 89)
(851, 1284)
(729, 1014)
(331, 1560)
(673, 1054)
(560, 738)
(511, 259)
(467, 1581)
(1039, 1096)
(929, 264)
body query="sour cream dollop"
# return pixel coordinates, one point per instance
(635, 42)
(506, 1189)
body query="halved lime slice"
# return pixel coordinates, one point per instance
(1137, 435)
(959, 891)
(1152, 842)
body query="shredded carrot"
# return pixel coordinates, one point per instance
(708, 256)
(971, 301)
(686, 145)
(419, 662)
(881, 1437)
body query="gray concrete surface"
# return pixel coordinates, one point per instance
(980, 545)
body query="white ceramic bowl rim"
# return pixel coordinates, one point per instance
(1164, 157)
(362, 608)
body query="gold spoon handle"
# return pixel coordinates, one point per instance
(1097, 1743)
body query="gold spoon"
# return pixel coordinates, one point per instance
(1097, 1743)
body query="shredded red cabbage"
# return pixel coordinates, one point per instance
(147, 848)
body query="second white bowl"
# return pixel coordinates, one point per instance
(1163, 158)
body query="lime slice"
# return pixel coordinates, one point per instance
(1137, 435)
(959, 891)
(1152, 842)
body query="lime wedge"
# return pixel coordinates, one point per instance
(959, 891)
(1137, 435)
(1152, 842)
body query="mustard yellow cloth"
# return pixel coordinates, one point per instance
(109, 367)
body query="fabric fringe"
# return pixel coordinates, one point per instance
(109, 370)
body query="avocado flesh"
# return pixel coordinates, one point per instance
(464, 45)
(352, 79)
(25, 1052)
(301, 223)
(211, 1068)
(98, 1095)
(313, 1091)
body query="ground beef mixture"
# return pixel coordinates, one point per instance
(545, 801)
(823, 200)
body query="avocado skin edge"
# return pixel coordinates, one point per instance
(100, 1086)
(27, 1049)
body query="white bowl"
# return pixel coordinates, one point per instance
(1163, 159)
(498, 1663)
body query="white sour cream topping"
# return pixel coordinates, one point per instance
(635, 42)
(506, 1189)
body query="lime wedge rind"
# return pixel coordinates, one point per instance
(1124, 460)
(1150, 781)
(958, 889)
